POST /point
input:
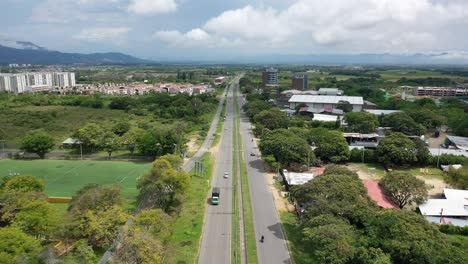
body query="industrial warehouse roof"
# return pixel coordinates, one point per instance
(326, 99)
(460, 142)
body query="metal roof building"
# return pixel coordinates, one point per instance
(325, 103)
(459, 142)
(453, 209)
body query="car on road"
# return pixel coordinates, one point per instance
(252, 154)
(226, 175)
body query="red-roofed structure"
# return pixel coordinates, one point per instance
(375, 193)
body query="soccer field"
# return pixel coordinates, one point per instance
(65, 177)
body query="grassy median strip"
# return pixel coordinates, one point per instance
(219, 127)
(184, 242)
(235, 220)
(249, 229)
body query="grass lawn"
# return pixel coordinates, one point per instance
(185, 239)
(430, 173)
(293, 234)
(64, 177)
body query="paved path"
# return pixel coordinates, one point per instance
(216, 238)
(265, 216)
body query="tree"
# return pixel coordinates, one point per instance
(17, 247)
(403, 188)
(252, 108)
(162, 187)
(40, 143)
(121, 102)
(154, 221)
(458, 177)
(402, 122)
(426, 117)
(330, 145)
(396, 149)
(82, 253)
(272, 119)
(286, 147)
(408, 238)
(345, 106)
(331, 242)
(121, 128)
(341, 195)
(37, 218)
(110, 142)
(22, 183)
(94, 197)
(89, 136)
(138, 247)
(102, 227)
(130, 139)
(361, 122)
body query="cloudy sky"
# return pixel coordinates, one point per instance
(194, 28)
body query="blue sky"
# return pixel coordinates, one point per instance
(212, 28)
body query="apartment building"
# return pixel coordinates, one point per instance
(270, 78)
(29, 81)
(300, 82)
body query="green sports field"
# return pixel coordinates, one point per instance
(64, 177)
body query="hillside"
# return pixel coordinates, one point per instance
(43, 56)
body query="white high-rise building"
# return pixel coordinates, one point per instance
(22, 82)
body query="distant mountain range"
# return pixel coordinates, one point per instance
(24, 52)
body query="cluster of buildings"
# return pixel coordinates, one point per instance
(143, 88)
(35, 81)
(436, 91)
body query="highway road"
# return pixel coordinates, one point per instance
(265, 216)
(216, 238)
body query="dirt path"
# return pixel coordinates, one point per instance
(281, 202)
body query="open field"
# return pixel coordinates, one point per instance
(184, 242)
(64, 178)
(59, 121)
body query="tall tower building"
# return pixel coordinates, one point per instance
(300, 82)
(270, 78)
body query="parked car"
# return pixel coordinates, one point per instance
(252, 154)
(226, 175)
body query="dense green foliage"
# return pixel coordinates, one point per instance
(330, 145)
(403, 188)
(361, 122)
(340, 224)
(286, 147)
(38, 142)
(396, 149)
(458, 177)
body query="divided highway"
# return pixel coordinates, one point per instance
(216, 246)
(216, 238)
(266, 218)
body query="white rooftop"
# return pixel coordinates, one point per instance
(381, 111)
(325, 118)
(458, 152)
(459, 195)
(295, 178)
(434, 207)
(326, 99)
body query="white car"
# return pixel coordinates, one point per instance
(226, 175)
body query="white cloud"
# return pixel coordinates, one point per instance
(152, 6)
(337, 25)
(102, 33)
